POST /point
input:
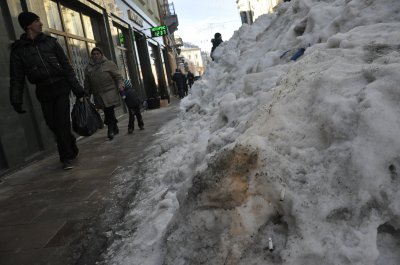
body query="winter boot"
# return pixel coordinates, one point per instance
(110, 132)
(116, 129)
(67, 165)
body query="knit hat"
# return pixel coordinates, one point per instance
(27, 18)
(128, 84)
(96, 49)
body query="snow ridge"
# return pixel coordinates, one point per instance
(322, 130)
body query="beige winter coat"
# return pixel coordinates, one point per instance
(102, 80)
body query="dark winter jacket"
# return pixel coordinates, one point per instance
(185, 80)
(103, 80)
(215, 42)
(132, 97)
(44, 63)
(178, 79)
(190, 77)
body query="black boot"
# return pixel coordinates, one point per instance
(116, 129)
(110, 132)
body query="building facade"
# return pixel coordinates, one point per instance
(170, 19)
(193, 60)
(250, 10)
(120, 27)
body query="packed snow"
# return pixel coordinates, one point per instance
(305, 152)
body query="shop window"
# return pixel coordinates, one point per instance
(87, 23)
(53, 16)
(79, 57)
(61, 40)
(122, 63)
(91, 46)
(119, 36)
(72, 21)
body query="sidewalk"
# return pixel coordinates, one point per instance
(56, 217)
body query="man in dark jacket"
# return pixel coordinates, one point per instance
(178, 78)
(215, 42)
(190, 78)
(42, 60)
(185, 85)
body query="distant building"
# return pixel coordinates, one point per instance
(250, 10)
(193, 60)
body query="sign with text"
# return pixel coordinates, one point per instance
(135, 17)
(159, 31)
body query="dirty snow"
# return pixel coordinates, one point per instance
(321, 133)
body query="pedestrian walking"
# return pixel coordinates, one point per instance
(190, 78)
(42, 60)
(178, 78)
(133, 102)
(104, 81)
(174, 86)
(216, 41)
(185, 85)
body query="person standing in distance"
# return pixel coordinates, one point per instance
(215, 43)
(42, 60)
(178, 78)
(190, 78)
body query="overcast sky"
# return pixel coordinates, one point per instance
(199, 20)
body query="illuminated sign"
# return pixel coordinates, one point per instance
(159, 31)
(121, 40)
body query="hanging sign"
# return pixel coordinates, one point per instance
(159, 31)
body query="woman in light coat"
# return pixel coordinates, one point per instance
(104, 81)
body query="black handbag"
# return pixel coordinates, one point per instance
(85, 118)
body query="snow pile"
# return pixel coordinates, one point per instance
(303, 152)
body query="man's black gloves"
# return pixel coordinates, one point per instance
(18, 108)
(79, 93)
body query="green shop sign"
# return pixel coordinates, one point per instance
(159, 31)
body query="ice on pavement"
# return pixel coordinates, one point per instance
(326, 128)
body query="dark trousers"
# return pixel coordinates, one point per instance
(186, 90)
(109, 118)
(181, 91)
(132, 113)
(56, 113)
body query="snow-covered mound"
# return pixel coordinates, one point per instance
(304, 152)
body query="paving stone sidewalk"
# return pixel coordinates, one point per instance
(55, 217)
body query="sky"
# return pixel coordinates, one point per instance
(303, 151)
(199, 20)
